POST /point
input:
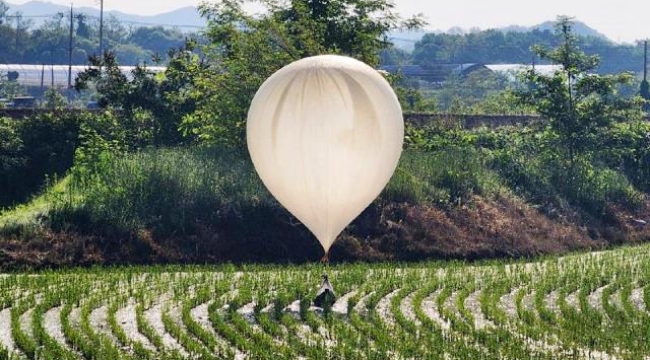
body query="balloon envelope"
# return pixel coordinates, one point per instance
(325, 134)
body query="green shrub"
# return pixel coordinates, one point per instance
(168, 189)
(543, 178)
(41, 146)
(626, 148)
(447, 175)
(12, 159)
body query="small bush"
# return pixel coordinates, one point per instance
(167, 190)
(41, 146)
(539, 174)
(448, 175)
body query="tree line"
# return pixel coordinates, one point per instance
(495, 46)
(49, 43)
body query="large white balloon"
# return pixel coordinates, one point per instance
(325, 134)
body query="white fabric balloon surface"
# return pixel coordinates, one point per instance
(325, 134)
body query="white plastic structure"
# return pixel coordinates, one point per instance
(325, 134)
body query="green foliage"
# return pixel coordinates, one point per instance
(428, 310)
(413, 100)
(531, 169)
(151, 105)
(440, 166)
(169, 190)
(24, 43)
(556, 184)
(495, 46)
(448, 175)
(12, 159)
(107, 79)
(36, 147)
(577, 103)
(526, 162)
(410, 97)
(459, 93)
(53, 99)
(626, 148)
(500, 103)
(100, 142)
(46, 145)
(282, 34)
(157, 39)
(82, 27)
(9, 88)
(162, 190)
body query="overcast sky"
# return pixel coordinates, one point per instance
(620, 20)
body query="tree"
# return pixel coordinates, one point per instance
(157, 39)
(9, 87)
(246, 49)
(4, 9)
(151, 104)
(52, 99)
(50, 41)
(12, 159)
(644, 89)
(577, 102)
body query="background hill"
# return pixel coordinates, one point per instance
(579, 28)
(189, 18)
(405, 40)
(186, 17)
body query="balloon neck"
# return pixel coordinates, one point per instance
(325, 260)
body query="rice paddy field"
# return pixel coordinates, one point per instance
(582, 306)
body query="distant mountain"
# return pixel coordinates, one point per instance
(406, 40)
(579, 28)
(186, 18)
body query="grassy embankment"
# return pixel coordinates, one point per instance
(460, 194)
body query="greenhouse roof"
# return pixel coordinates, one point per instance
(513, 69)
(55, 75)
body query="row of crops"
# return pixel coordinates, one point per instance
(591, 306)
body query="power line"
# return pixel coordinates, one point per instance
(96, 17)
(402, 39)
(30, 16)
(152, 23)
(162, 24)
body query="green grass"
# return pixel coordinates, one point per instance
(166, 190)
(442, 177)
(196, 204)
(31, 214)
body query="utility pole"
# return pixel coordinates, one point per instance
(645, 87)
(17, 29)
(645, 61)
(70, 49)
(533, 63)
(101, 27)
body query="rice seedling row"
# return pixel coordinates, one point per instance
(580, 306)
